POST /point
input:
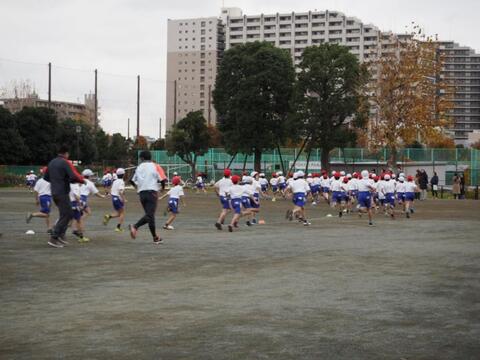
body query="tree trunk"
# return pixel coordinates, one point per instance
(231, 160)
(193, 164)
(308, 160)
(326, 159)
(298, 155)
(244, 163)
(281, 159)
(392, 161)
(258, 160)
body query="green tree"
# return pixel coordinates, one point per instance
(118, 149)
(102, 141)
(12, 146)
(82, 145)
(189, 139)
(159, 144)
(252, 96)
(38, 128)
(329, 101)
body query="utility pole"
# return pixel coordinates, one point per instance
(209, 105)
(49, 84)
(96, 104)
(128, 129)
(159, 127)
(138, 106)
(174, 102)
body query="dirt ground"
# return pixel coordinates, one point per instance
(339, 289)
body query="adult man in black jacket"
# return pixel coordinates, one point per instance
(60, 174)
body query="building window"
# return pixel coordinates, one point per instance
(202, 24)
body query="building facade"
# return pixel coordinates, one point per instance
(294, 32)
(194, 49)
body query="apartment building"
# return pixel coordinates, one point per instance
(462, 73)
(294, 32)
(194, 48)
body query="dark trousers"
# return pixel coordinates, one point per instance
(66, 214)
(149, 200)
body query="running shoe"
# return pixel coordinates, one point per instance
(106, 219)
(157, 240)
(29, 217)
(55, 243)
(230, 228)
(218, 226)
(168, 227)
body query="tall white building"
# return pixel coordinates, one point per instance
(294, 32)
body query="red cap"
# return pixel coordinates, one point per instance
(375, 178)
(274, 174)
(227, 172)
(337, 174)
(235, 179)
(355, 175)
(345, 179)
(44, 169)
(409, 178)
(176, 180)
(290, 174)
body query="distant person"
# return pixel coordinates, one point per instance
(147, 182)
(456, 186)
(423, 184)
(434, 185)
(43, 198)
(418, 175)
(60, 174)
(462, 186)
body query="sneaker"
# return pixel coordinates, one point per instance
(314, 203)
(83, 240)
(77, 233)
(306, 223)
(412, 210)
(248, 223)
(157, 240)
(340, 213)
(392, 216)
(106, 219)
(370, 223)
(254, 221)
(29, 217)
(55, 243)
(230, 228)
(168, 227)
(408, 215)
(119, 230)
(133, 231)
(218, 226)
(235, 224)
(49, 231)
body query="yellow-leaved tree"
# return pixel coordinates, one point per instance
(410, 99)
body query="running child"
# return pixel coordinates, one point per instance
(200, 184)
(222, 188)
(263, 184)
(175, 194)
(365, 189)
(338, 193)
(43, 197)
(300, 189)
(31, 178)
(388, 190)
(118, 201)
(236, 192)
(274, 185)
(410, 190)
(325, 184)
(77, 207)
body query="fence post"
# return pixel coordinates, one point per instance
(441, 192)
(476, 192)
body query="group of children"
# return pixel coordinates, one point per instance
(241, 195)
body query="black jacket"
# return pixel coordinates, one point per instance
(60, 173)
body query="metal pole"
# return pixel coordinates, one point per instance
(49, 84)
(138, 106)
(128, 129)
(159, 127)
(96, 104)
(209, 104)
(174, 102)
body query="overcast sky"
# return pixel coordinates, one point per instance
(123, 38)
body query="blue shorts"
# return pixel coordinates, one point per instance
(409, 196)
(282, 186)
(107, 183)
(390, 199)
(30, 182)
(45, 204)
(236, 205)
(264, 188)
(401, 196)
(325, 189)
(84, 199)
(354, 194)
(299, 199)
(255, 204)
(365, 199)
(338, 196)
(225, 203)
(274, 188)
(315, 189)
(117, 203)
(77, 212)
(246, 202)
(200, 185)
(173, 205)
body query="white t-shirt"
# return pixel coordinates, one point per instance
(74, 192)
(256, 187)
(325, 182)
(118, 187)
(353, 184)
(31, 177)
(42, 187)
(263, 181)
(336, 185)
(273, 181)
(88, 188)
(299, 186)
(114, 176)
(223, 185)
(199, 180)
(176, 192)
(247, 190)
(400, 187)
(236, 191)
(388, 187)
(410, 186)
(146, 177)
(364, 185)
(289, 181)
(281, 179)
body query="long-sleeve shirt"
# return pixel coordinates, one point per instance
(60, 174)
(146, 177)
